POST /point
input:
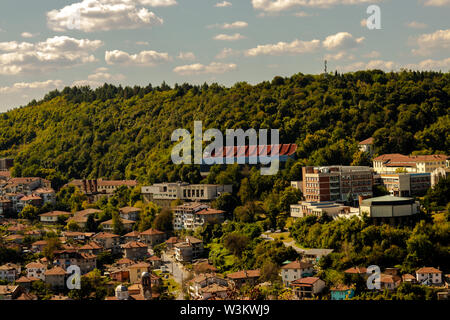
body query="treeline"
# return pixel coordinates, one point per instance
(115, 132)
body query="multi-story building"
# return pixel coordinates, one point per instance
(164, 193)
(395, 162)
(404, 184)
(191, 249)
(97, 188)
(65, 258)
(296, 270)
(192, 215)
(330, 208)
(438, 174)
(36, 270)
(429, 276)
(336, 183)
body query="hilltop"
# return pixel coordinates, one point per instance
(119, 133)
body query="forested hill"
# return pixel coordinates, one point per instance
(116, 132)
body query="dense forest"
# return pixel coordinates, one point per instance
(117, 132)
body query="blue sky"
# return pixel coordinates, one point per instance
(50, 44)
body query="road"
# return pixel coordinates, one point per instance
(177, 271)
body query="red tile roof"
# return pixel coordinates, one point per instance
(244, 274)
(56, 271)
(151, 231)
(134, 244)
(297, 265)
(428, 270)
(367, 141)
(308, 281)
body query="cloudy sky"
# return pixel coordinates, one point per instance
(48, 44)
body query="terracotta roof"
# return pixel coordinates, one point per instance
(134, 244)
(27, 198)
(39, 243)
(244, 274)
(408, 276)
(213, 288)
(367, 141)
(87, 212)
(172, 240)
(428, 270)
(44, 190)
(35, 265)
(154, 258)
(55, 213)
(24, 279)
(104, 235)
(124, 221)
(208, 211)
(55, 271)
(151, 232)
(400, 158)
(388, 278)
(140, 265)
(297, 265)
(309, 281)
(133, 234)
(125, 261)
(356, 270)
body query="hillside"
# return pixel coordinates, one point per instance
(121, 133)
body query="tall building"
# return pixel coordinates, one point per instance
(405, 184)
(395, 162)
(192, 215)
(336, 183)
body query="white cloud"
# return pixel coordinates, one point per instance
(416, 25)
(142, 43)
(144, 58)
(227, 37)
(57, 52)
(372, 55)
(282, 5)
(28, 35)
(19, 87)
(186, 56)
(437, 3)
(223, 4)
(226, 53)
(235, 25)
(342, 55)
(430, 64)
(197, 68)
(342, 40)
(104, 15)
(431, 42)
(373, 64)
(294, 47)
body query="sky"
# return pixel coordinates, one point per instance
(49, 44)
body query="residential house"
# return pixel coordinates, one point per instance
(244, 277)
(52, 216)
(152, 237)
(109, 226)
(191, 248)
(429, 276)
(38, 246)
(36, 270)
(108, 241)
(135, 250)
(308, 287)
(296, 270)
(65, 258)
(136, 271)
(129, 213)
(207, 286)
(366, 146)
(91, 247)
(26, 282)
(132, 236)
(9, 272)
(56, 277)
(409, 278)
(389, 281)
(155, 261)
(191, 216)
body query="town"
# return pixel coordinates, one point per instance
(184, 241)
